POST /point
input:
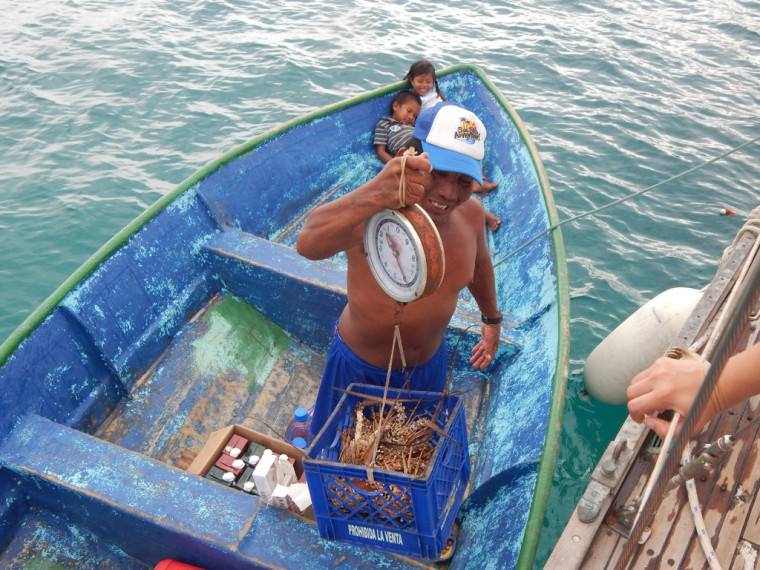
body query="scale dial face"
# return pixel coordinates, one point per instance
(395, 255)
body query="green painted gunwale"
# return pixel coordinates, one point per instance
(551, 443)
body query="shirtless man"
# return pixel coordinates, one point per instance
(441, 181)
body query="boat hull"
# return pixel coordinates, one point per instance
(102, 356)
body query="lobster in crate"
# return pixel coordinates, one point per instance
(390, 470)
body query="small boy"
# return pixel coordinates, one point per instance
(393, 133)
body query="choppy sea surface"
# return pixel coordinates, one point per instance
(107, 105)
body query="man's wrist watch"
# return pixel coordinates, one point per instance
(491, 320)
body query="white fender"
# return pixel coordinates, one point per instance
(637, 342)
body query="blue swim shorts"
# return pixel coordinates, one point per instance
(343, 367)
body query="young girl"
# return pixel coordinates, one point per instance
(423, 82)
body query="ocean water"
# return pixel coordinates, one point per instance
(106, 106)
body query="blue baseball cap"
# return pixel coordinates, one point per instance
(454, 138)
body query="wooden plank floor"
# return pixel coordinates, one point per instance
(231, 365)
(227, 366)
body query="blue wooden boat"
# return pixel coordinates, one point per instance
(200, 314)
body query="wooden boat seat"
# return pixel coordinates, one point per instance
(108, 489)
(273, 278)
(90, 480)
(245, 261)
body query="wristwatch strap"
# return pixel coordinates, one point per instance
(491, 320)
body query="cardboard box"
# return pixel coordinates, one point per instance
(215, 447)
(218, 439)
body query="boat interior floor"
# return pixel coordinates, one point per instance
(230, 365)
(227, 365)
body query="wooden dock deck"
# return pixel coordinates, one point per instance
(730, 508)
(598, 532)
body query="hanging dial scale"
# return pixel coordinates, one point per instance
(404, 249)
(405, 252)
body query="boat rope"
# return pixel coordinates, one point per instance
(748, 554)
(625, 198)
(402, 176)
(699, 525)
(378, 434)
(657, 469)
(396, 341)
(725, 348)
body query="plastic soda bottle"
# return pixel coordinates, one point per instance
(299, 442)
(298, 425)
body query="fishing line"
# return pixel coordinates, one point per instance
(625, 198)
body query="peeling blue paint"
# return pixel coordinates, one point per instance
(127, 321)
(46, 541)
(182, 203)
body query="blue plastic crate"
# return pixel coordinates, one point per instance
(408, 515)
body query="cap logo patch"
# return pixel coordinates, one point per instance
(467, 132)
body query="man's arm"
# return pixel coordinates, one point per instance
(339, 225)
(483, 289)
